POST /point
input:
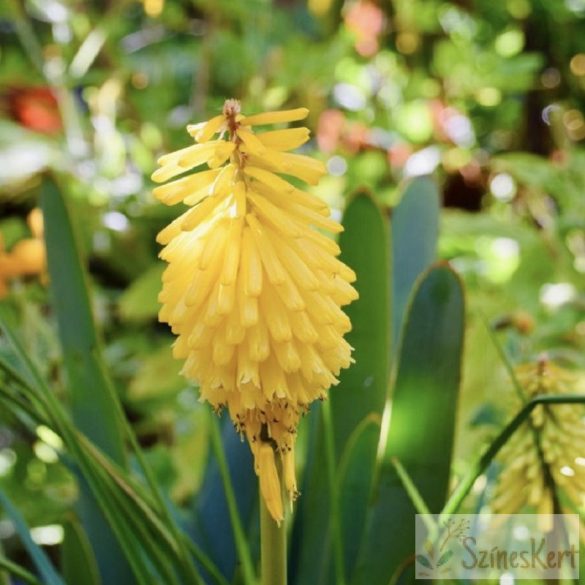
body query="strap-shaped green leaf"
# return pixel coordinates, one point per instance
(78, 562)
(105, 481)
(415, 230)
(421, 430)
(152, 543)
(355, 475)
(90, 390)
(363, 387)
(360, 394)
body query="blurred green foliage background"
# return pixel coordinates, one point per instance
(488, 97)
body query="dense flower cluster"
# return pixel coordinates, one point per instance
(252, 289)
(548, 452)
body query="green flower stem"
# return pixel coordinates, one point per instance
(484, 460)
(272, 547)
(410, 488)
(505, 360)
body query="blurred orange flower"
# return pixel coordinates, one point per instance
(366, 20)
(36, 108)
(27, 257)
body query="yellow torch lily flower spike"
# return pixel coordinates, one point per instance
(547, 452)
(252, 289)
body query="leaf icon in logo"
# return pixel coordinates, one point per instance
(444, 558)
(424, 561)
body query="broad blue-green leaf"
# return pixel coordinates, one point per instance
(421, 430)
(363, 387)
(91, 394)
(415, 229)
(356, 469)
(360, 394)
(310, 544)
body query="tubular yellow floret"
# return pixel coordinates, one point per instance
(275, 117)
(204, 131)
(269, 482)
(283, 140)
(252, 290)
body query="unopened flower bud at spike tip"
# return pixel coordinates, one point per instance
(231, 108)
(253, 290)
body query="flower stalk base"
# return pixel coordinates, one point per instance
(272, 548)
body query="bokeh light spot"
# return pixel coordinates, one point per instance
(577, 64)
(510, 43)
(489, 96)
(503, 187)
